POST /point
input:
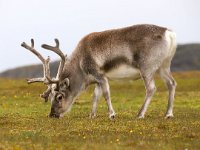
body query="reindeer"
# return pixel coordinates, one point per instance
(131, 52)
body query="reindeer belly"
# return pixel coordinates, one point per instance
(123, 71)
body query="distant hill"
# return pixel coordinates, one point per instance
(29, 71)
(187, 58)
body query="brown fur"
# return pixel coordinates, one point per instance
(140, 38)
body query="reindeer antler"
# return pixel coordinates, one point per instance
(57, 50)
(46, 70)
(46, 79)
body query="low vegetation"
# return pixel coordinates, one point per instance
(24, 123)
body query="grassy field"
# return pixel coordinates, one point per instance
(24, 123)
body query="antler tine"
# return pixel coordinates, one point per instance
(57, 43)
(46, 94)
(32, 42)
(31, 48)
(47, 73)
(57, 50)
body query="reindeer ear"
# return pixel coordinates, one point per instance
(66, 82)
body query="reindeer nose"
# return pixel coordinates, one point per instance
(53, 114)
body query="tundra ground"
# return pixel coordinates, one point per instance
(24, 123)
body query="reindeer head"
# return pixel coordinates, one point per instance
(58, 90)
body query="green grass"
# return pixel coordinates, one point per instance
(24, 123)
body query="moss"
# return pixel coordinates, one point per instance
(24, 123)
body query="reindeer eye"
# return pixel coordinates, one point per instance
(59, 97)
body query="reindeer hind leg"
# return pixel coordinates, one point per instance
(150, 90)
(171, 85)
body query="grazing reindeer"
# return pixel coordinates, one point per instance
(135, 51)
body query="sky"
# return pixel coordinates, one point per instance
(70, 20)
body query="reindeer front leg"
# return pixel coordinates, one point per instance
(106, 93)
(90, 67)
(96, 96)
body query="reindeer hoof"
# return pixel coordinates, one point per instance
(168, 116)
(112, 116)
(140, 117)
(92, 116)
